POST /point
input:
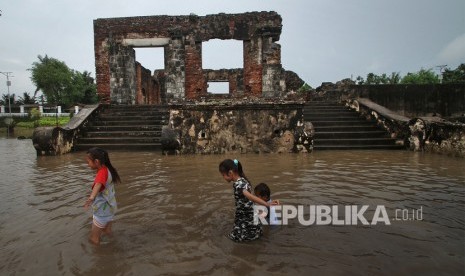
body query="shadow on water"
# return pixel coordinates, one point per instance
(175, 213)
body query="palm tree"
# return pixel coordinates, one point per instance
(26, 99)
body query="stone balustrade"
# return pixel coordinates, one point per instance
(427, 133)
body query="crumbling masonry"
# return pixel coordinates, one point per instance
(123, 80)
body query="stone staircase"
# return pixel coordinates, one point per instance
(124, 127)
(339, 128)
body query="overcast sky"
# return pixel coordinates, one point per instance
(321, 40)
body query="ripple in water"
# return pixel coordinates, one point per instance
(175, 212)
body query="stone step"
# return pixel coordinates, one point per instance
(119, 140)
(125, 128)
(133, 112)
(357, 147)
(120, 147)
(129, 133)
(373, 133)
(339, 123)
(135, 107)
(331, 113)
(363, 126)
(339, 128)
(111, 128)
(325, 107)
(126, 123)
(354, 141)
(115, 117)
(322, 103)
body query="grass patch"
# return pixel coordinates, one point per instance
(43, 122)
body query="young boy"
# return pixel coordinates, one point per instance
(263, 191)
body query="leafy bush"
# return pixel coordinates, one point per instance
(35, 115)
(305, 88)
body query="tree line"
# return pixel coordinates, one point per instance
(424, 76)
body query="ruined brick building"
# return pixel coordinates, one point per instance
(122, 79)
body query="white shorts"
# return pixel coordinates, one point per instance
(101, 222)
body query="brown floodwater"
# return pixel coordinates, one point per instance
(175, 213)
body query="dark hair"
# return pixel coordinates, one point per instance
(232, 165)
(102, 156)
(262, 190)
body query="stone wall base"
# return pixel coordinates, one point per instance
(239, 129)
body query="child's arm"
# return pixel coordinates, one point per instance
(94, 193)
(255, 199)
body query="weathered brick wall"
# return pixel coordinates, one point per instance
(195, 82)
(102, 66)
(235, 77)
(141, 84)
(253, 68)
(182, 37)
(160, 86)
(147, 89)
(240, 26)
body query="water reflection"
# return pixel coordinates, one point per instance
(17, 132)
(175, 213)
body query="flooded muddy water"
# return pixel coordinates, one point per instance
(175, 213)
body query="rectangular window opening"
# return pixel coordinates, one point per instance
(222, 54)
(218, 87)
(151, 58)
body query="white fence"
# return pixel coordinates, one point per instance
(23, 113)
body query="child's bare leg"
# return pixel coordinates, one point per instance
(95, 234)
(107, 229)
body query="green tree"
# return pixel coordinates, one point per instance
(394, 78)
(26, 99)
(75, 90)
(62, 85)
(454, 76)
(373, 79)
(41, 100)
(4, 100)
(421, 77)
(89, 88)
(52, 77)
